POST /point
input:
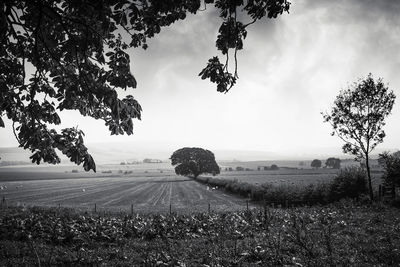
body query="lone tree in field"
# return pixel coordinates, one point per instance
(333, 163)
(316, 163)
(274, 167)
(72, 55)
(193, 161)
(358, 117)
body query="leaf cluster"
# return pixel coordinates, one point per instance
(231, 35)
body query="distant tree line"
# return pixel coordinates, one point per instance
(333, 163)
(152, 161)
(11, 163)
(259, 168)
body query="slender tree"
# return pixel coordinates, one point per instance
(72, 55)
(358, 116)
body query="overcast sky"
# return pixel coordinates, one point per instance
(290, 70)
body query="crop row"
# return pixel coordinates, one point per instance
(145, 194)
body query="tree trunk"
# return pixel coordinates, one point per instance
(371, 192)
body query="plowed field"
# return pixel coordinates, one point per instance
(146, 194)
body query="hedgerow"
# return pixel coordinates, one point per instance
(349, 183)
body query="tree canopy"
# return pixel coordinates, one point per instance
(333, 163)
(358, 117)
(76, 54)
(193, 161)
(316, 163)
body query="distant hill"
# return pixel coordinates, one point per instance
(14, 154)
(115, 153)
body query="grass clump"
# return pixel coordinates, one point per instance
(349, 183)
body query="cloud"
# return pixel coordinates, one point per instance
(354, 11)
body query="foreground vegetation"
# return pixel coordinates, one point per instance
(343, 233)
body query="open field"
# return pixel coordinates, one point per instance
(345, 233)
(149, 187)
(281, 176)
(147, 194)
(289, 176)
(298, 176)
(289, 173)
